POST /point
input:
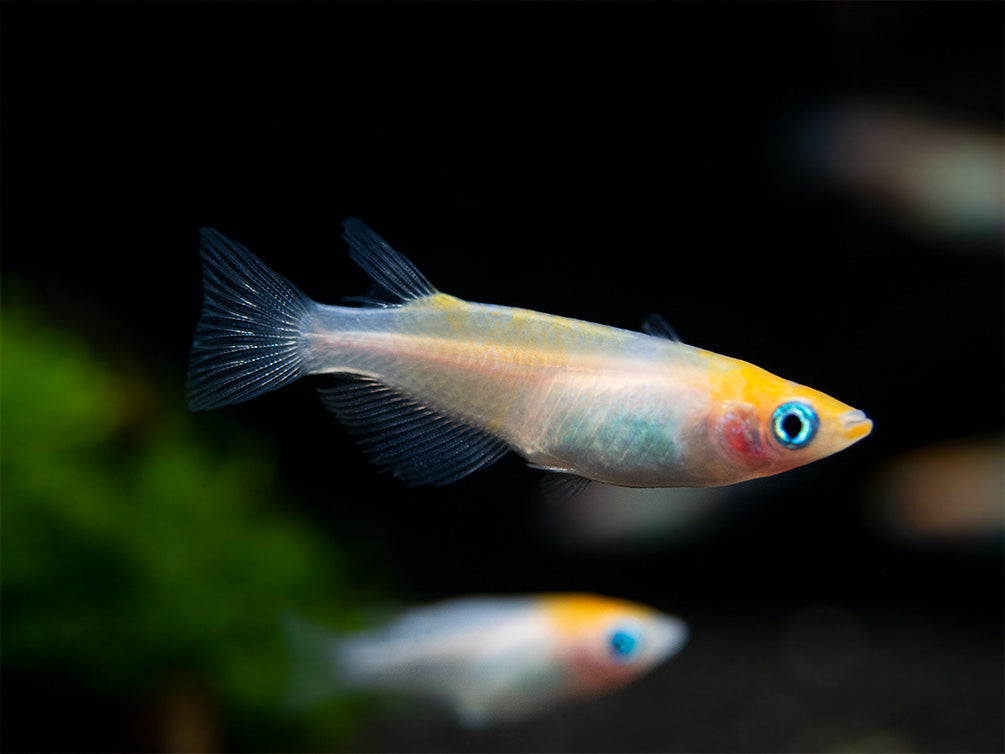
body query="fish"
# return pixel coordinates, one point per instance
(945, 494)
(435, 387)
(918, 169)
(487, 659)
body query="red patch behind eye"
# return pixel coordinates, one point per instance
(592, 671)
(742, 434)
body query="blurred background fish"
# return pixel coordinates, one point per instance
(437, 387)
(926, 171)
(632, 519)
(490, 659)
(945, 494)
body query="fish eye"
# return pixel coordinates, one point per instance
(624, 644)
(794, 424)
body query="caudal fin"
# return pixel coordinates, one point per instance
(248, 340)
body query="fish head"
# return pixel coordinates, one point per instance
(604, 643)
(764, 424)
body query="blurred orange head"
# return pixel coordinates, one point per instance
(605, 643)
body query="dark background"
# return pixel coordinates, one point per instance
(598, 161)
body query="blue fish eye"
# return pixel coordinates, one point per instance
(794, 424)
(624, 644)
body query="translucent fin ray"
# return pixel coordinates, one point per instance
(656, 325)
(247, 341)
(395, 278)
(414, 442)
(558, 486)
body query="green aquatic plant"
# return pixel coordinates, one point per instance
(140, 558)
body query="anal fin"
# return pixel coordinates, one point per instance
(416, 443)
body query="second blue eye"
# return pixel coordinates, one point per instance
(625, 644)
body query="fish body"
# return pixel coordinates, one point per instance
(438, 387)
(491, 659)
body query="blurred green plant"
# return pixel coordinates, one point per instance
(136, 553)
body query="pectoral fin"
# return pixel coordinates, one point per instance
(562, 485)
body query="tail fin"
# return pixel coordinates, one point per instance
(248, 340)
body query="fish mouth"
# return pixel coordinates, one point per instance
(670, 636)
(855, 425)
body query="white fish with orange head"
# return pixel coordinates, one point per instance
(490, 659)
(437, 387)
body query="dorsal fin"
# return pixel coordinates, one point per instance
(656, 325)
(416, 443)
(395, 279)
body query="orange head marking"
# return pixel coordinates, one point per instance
(765, 424)
(605, 643)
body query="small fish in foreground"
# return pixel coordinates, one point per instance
(437, 387)
(489, 659)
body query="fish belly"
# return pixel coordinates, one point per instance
(633, 431)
